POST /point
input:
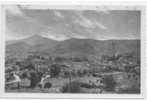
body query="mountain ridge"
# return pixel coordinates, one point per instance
(73, 46)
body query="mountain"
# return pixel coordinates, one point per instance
(72, 47)
(75, 47)
(9, 42)
(38, 40)
(84, 47)
(34, 43)
(18, 49)
(39, 43)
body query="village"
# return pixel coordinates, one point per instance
(92, 74)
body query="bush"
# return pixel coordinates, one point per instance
(129, 90)
(73, 87)
(30, 67)
(47, 85)
(79, 73)
(109, 83)
(35, 79)
(85, 85)
(55, 70)
(24, 75)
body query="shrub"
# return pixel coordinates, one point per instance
(79, 73)
(85, 85)
(55, 70)
(35, 79)
(24, 75)
(73, 87)
(129, 90)
(109, 83)
(47, 85)
(30, 67)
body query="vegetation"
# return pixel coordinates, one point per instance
(109, 83)
(47, 85)
(55, 70)
(73, 87)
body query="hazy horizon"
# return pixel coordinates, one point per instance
(66, 39)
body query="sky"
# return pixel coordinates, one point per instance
(23, 21)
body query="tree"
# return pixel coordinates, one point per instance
(79, 73)
(109, 83)
(30, 67)
(55, 70)
(73, 87)
(35, 79)
(47, 85)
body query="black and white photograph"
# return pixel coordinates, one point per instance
(64, 49)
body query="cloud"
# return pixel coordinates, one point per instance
(100, 25)
(76, 23)
(102, 10)
(11, 35)
(75, 35)
(44, 7)
(83, 21)
(58, 37)
(58, 14)
(14, 10)
(51, 33)
(88, 23)
(35, 6)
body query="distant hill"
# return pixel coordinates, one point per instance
(71, 47)
(34, 43)
(84, 47)
(18, 49)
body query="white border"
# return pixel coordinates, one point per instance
(113, 5)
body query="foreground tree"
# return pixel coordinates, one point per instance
(73, 87)
(55, 70)
(109, 83)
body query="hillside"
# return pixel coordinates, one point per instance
(84, 47)
(72, 47)
(36, 43)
